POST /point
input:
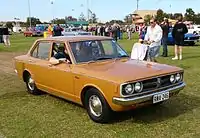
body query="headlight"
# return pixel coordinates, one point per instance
(129, 89)
(138, 87)
(178, 77)
(172, 79)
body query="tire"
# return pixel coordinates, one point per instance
(93, 96)
(31, 87)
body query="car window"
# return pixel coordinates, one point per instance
(107, 48)
(93, 50)
(42, 50)
(59, 51)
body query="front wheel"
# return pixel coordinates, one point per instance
(97, 107)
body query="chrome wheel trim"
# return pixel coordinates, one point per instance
(31, 84)
(95, 106)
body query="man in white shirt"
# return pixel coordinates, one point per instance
(154, 37)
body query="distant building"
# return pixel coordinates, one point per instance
(139, 15)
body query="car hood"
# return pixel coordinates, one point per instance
(125, 71)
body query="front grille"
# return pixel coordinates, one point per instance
(154, 84)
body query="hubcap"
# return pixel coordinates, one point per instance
(95, 106)
(31, 84)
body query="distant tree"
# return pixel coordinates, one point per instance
(93, 18)
(147, 18)
(120, 22)
(45, 22)
(82, 17)
(190, 14)
(197, 19)
(58, 21)
(22, 24)
(128, 19)
(176, 15)
(34, 21)
(9, 24)
(160, 15)
(70, 18)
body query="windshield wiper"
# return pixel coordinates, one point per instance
(123, 56)
(103, 58)
(91, 61)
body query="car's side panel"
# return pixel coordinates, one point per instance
(59, 78)
(108, 89)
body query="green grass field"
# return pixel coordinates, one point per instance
(24, 115)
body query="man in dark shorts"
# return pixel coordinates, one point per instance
(178, 33)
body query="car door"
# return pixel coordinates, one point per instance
(38, 62)
(59, 78)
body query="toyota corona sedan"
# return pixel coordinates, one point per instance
(97, 73)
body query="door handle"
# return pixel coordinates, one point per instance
(76, 77)
(30, 61)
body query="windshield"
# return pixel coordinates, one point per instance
(86, 51)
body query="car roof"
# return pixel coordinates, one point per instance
(75, 38)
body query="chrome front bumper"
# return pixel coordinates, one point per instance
(140, 99)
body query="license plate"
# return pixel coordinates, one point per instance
(160, 97)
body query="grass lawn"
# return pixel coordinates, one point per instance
(24, 115)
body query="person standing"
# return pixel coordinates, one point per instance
(114, 32)
(178, 33)
(6, 37)
(165, 28)
(129, 32)
(58, 30)
(50, 30)
(154, 37)
(96, 30)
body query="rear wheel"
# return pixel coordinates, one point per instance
(31, 87)
(97, 107)
(191, 43)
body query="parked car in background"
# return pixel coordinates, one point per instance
(194, 29)
(96, 73)
(34, 31)
(74, 32)
(190, 38)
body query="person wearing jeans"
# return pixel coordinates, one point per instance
(165, 28)
(154, 37)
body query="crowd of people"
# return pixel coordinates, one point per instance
(157, 35)
(154, 35)
(54, 30)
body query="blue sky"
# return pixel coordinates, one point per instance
(104, 9)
